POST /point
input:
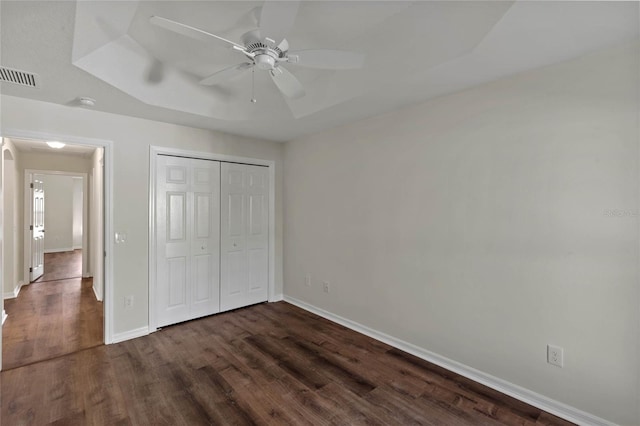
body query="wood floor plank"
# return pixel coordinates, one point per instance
(295, 366)
(400, 409)
(268, 364)
(330, 366)
(350, 407)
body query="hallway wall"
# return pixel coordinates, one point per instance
(58, 213)
(12, 241)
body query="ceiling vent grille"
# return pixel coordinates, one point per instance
(23, 78)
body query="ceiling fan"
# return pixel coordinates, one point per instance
(266, 48)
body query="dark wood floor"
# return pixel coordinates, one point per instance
(56, 315)
(62, 265)
(266, 364)
(49, 319)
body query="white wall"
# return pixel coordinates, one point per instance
(479, 226)
(58, 212)
(54, 161)
(9, 190)
(11, 253)
(77, 212)
(131, 138)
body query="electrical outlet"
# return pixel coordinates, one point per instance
(307, 280)
(128, 301)
(555, 355)
(325, 286)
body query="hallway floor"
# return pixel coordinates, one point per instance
(62, 265)
(54, 317)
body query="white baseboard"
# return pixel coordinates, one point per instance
(13, 294)
(77, 247)
(95, 293)
(532, 398)
(58, 250)
(4, 316)
(277, 298)
(131, 334)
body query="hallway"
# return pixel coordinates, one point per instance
(56, 315)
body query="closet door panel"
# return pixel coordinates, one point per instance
(244, 235)
(188, 237)
(172, 227)
(177, 277)
(205, 247)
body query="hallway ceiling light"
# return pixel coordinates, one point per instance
(55, 144)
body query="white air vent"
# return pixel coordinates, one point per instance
(23, 78)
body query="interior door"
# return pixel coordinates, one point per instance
(188, 235)
(244, 263)
(37, 229)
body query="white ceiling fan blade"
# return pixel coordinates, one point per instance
(192, 32)
(277, 18)
(225, 74)
(288, 84)
(327, 59)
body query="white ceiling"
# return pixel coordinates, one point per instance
(414, 51)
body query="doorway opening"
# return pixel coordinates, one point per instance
(56, 306)
(63, 253)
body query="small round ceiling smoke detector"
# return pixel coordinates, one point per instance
(88, 102)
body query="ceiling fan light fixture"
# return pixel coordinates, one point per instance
(265, 61)
(56, 144)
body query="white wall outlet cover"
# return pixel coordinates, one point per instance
(555, 355)
(128, 301)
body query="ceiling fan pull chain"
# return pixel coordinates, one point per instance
(253, 86)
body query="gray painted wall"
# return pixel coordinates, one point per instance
(482, 226)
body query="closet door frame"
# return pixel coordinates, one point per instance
(154, 152)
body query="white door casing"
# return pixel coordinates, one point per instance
(244, 262)
(36, 270)
(108, 203)
(96, 221)
(188, 234)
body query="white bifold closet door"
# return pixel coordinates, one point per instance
(188, 239)
(244, 253)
